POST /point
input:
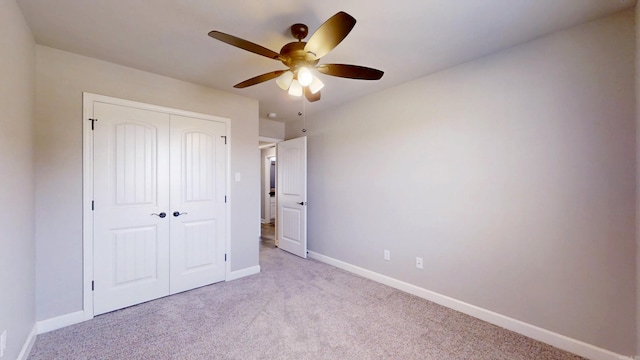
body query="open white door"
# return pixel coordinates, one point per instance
(292, 196)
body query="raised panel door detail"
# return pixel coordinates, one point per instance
(199, 166)
(291, 224)
(136, 255)
(135, 154)
(290, 179)
(200, 250)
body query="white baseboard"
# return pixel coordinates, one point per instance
(537, 333)
(60, 321)
(28, 344)
(244, 272)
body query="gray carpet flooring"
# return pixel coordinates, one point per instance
(293, 309)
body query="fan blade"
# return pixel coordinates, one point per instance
(310, 96)
(244, 44)
(350, 71)
(258, 79)
(330, 34)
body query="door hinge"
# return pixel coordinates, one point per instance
(93, 121)
(225, 199)
(92, 285)
(225, 139)
(93, 207)
(225, 257)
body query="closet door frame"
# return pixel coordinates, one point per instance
(88, 99)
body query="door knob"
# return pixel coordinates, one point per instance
(161, 215)
(301, 203)
(178, 213)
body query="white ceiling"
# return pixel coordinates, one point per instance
(404, 38)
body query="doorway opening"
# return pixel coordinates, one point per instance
(268, 226)
(286, 196)
(268, 193)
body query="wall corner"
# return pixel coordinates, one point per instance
(637, 218)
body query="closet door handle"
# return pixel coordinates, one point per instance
(178, 213)
(161, 215)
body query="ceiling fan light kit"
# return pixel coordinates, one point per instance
(316, 85)
(304, 76)
(302, 58)
(284, 80)
(296, 88)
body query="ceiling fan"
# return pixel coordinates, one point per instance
(302, 58)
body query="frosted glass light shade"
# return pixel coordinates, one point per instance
(315, 85)
(284, 80)
(305, 77)
(295, 89)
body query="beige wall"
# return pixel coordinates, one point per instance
(513, 176)
(61, 79)
(17, 246)
(271, 129)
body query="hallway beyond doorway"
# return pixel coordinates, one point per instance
(268, 235)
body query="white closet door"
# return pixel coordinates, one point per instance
(160, 209)
(131, 184)
(198, 211)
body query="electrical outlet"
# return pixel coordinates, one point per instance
(387, 255)
(3, 342)
(419, 263)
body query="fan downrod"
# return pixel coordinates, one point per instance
(299, 31)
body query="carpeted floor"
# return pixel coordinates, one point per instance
(293, 309)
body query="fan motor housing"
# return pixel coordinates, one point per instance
(292, 54)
